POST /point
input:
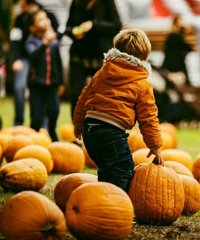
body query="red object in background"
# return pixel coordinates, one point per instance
(159, 9)
(194, 5)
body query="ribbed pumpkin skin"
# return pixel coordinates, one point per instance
(178, 155)
(192, 195)
(25, 216)
(157, 194)
(67, 132)
(88, 161)
(38, 152)
(14, 145)
(67, 157)
(179, 168)
(68, 184)
(196, 168)
(139, 156)
(25, 174)
(99, 211)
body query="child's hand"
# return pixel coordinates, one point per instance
(78, 131)
(78, 32)
(49, 36)
(61, 89)
(157, 153)
(87, 26)
(17, 66)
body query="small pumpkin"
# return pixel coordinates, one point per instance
(38, 152)
(178, 155)
(192, 195)
(157, 194)
(170, 129)
(40, 139)
(99, 211)
(67, 157)
(140, 156)
(88, 161)
(14, 144)
(179, 168)
(44, 132)
(22, 130)
(67, 132)
(25, 174)
(4, 138)
(30, 215)
(196, 168)
(68, 184)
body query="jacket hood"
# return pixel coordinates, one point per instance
(120, 68)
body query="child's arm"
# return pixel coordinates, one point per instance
(34, 48)
(79, 113)
(146, 112)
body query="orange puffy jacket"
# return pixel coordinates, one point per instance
(119, 94)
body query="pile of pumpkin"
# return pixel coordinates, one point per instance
(88, 208)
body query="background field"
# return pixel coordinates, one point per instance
(189, 140)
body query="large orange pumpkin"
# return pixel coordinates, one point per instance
(38, 152)
(140, 156)
(30, 215)
(170, 129)
(192, 195)
(40, 139)
(157, 194)
(196, 168)
(67, 132)
(67, 157)
(88, 161)
(179, 168)
(25, 174)
(178, 155)
(99, 211)
(13, 145)
(68, 184)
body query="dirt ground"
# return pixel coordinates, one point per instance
(184, 228)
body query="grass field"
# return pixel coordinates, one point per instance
(189, 140)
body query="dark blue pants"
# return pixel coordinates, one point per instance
(108, 148)
(44, 100)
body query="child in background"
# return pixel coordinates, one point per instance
(46, 78)
(116, 97)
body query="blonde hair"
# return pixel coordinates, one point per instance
(134, 42)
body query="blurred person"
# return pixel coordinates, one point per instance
(175, 51)
(20, 66)
(46, 78)
(91, 25)
(118, 96)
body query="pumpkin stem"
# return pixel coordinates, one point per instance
(49, 230)
(155, 161)
(76, 210)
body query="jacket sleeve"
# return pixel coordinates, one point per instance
(70, 22)
(79, 113)
(34, 48)
(110, 25)
(146, 114)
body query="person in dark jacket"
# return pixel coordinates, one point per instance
(176, 49)
(18, 37)
(46, 79)
(92, 24)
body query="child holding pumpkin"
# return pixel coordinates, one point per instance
(116, 97)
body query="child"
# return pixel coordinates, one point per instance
(46, 80)
(116, 97)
